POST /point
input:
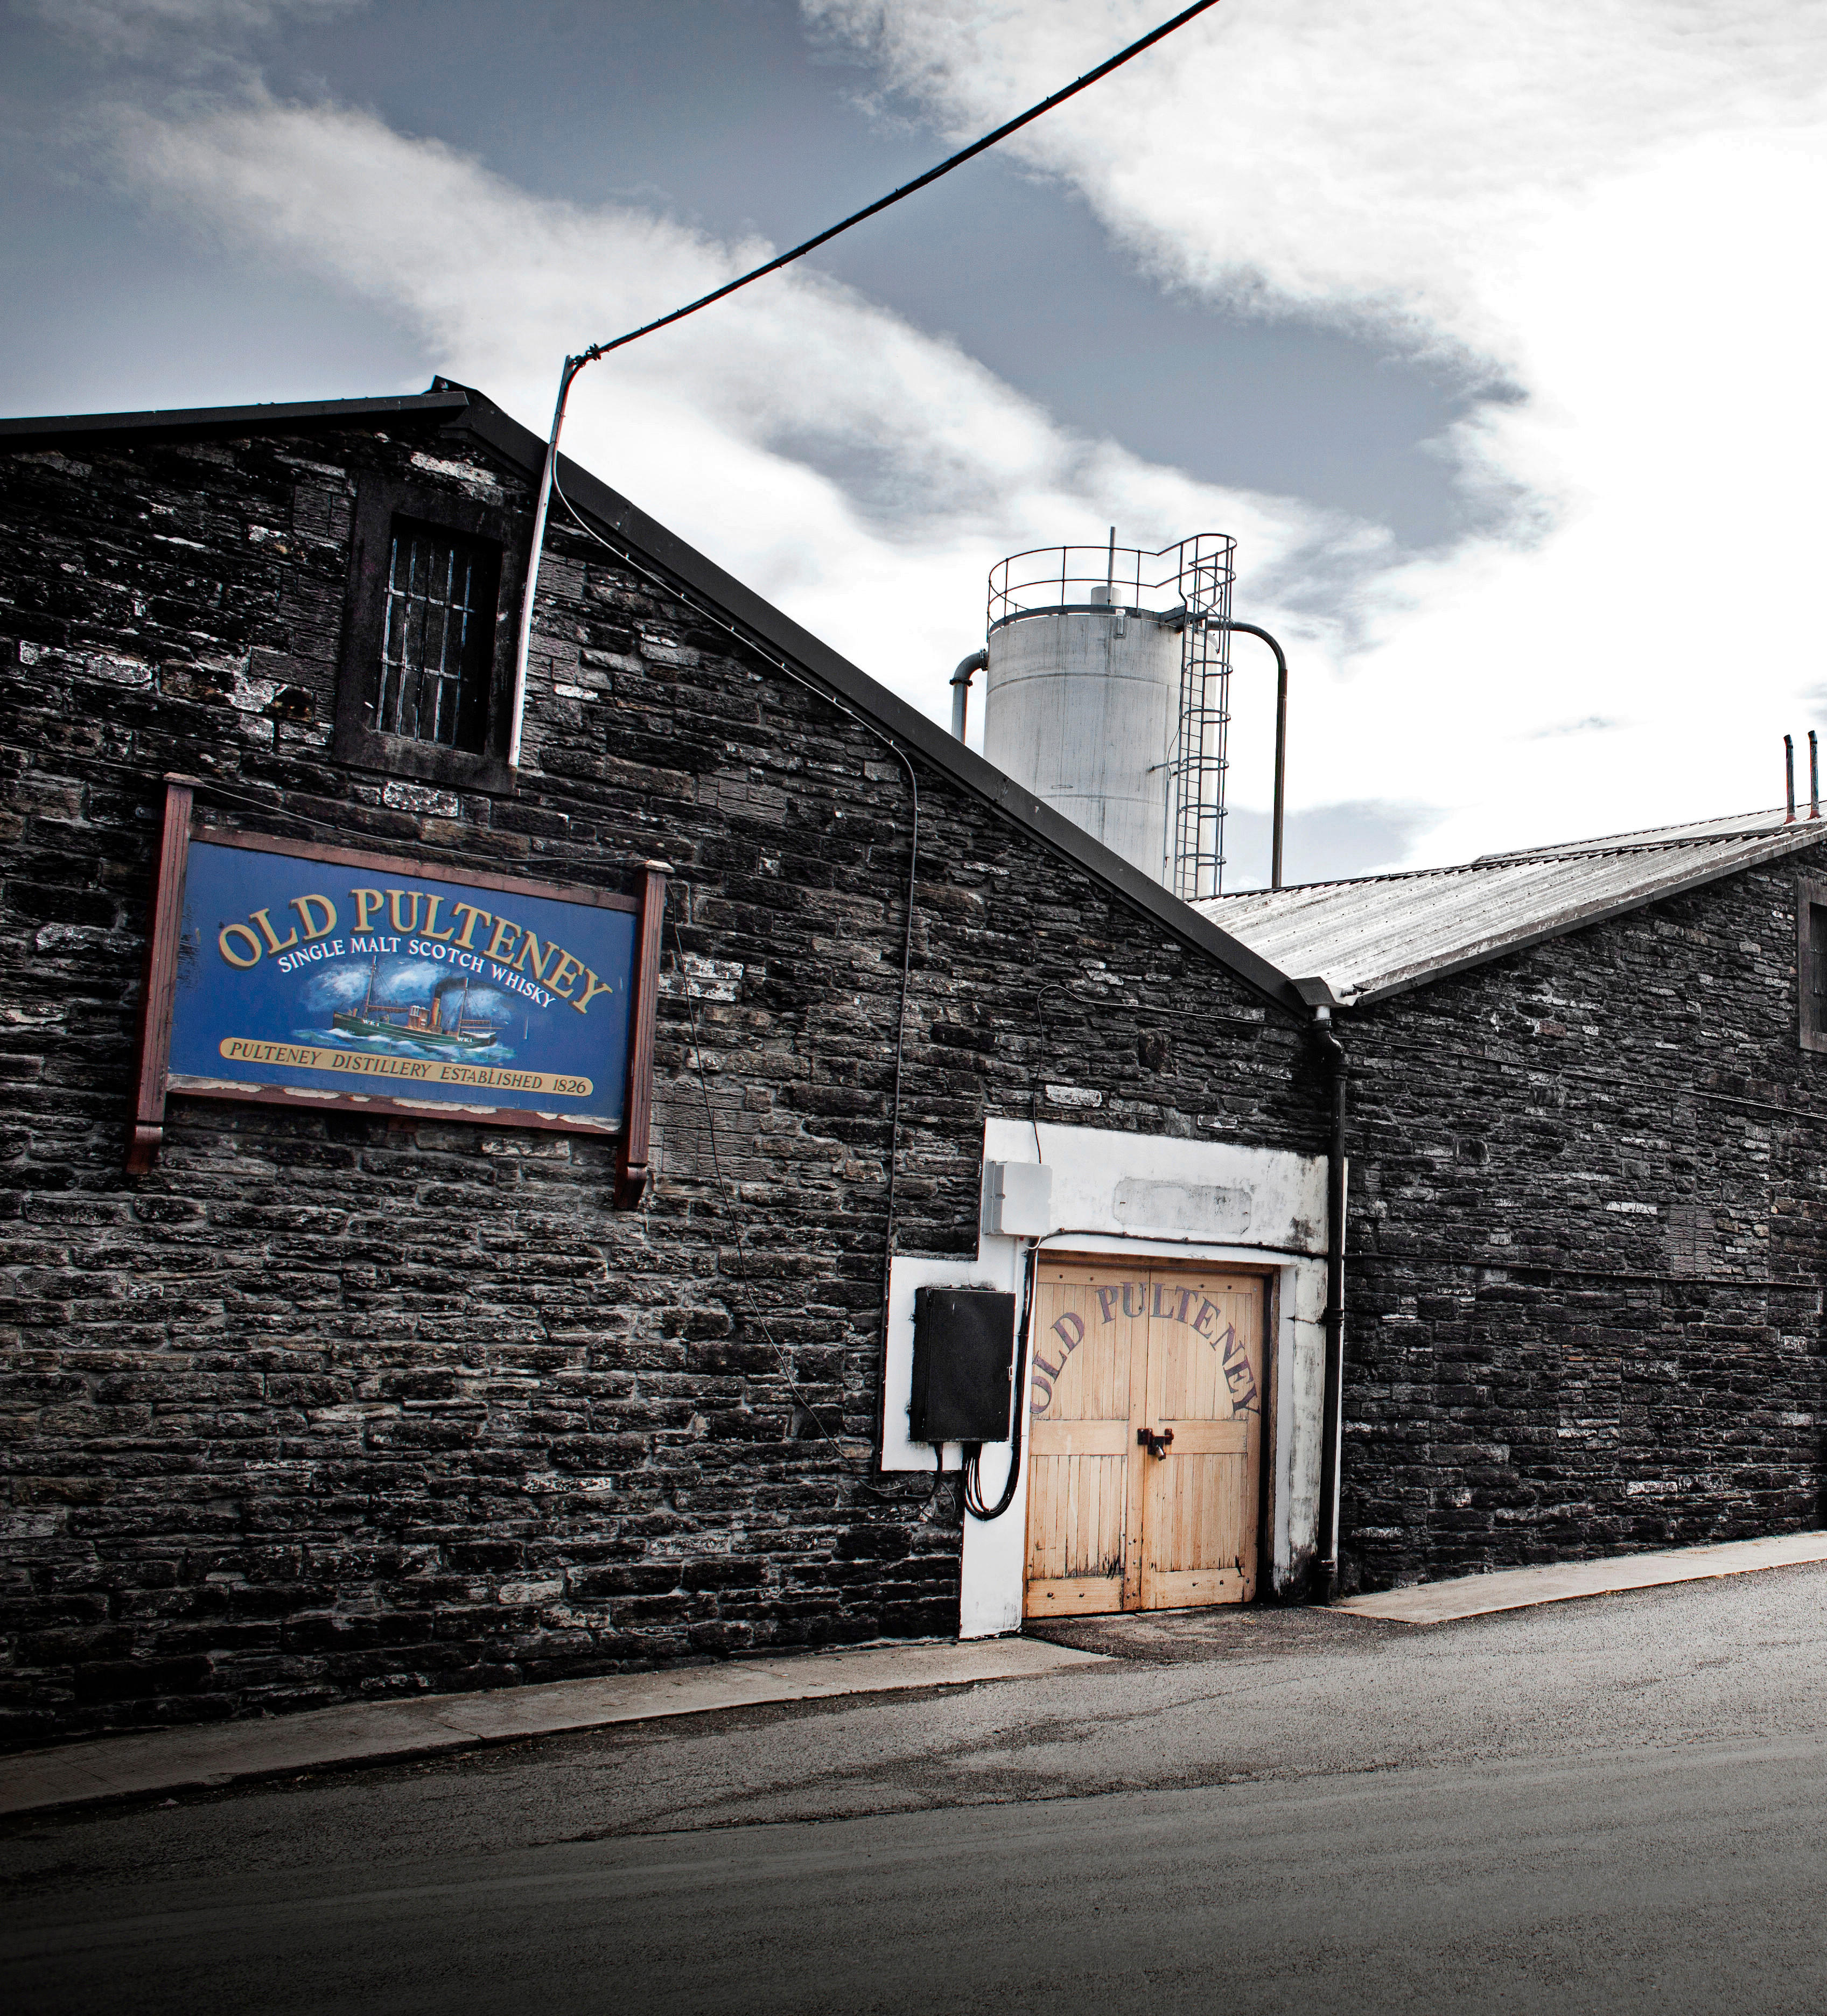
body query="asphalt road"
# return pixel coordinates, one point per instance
(1616, 1805)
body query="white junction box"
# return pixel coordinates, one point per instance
(1017, 1200)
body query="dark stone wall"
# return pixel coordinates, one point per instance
(332, 1405)
(1588, 1237)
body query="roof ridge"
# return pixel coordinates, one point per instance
(1609, 849)
(447, 397)
(1348, 881)
(1738, 823)
(1700, 833)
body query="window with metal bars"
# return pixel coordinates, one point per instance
(438, 637)
(426, 676)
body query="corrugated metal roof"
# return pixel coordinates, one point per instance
(1379, 934)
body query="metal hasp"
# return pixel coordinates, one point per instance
(964, 1351)
(1107, 694)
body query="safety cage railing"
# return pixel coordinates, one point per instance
(1188, 584)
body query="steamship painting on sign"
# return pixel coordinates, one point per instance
(353, 978)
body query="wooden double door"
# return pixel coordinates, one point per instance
(1145, 1438)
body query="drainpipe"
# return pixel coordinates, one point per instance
(1325, 1570)
(542, 506)
(961, 689)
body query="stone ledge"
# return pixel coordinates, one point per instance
(122, 1767)
(1519, 1588)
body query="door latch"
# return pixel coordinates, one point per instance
(1156, 1445)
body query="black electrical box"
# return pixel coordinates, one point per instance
(964, 1351)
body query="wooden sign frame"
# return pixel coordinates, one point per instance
(154, 1080)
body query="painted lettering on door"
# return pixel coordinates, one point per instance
(1131, 1300)
(1145, 1441)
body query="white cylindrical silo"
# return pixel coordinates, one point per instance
(1081, 705)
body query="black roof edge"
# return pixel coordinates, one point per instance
(462, 409)
(919, 734)
(438, 404)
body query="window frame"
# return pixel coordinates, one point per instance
(380, 501)
(1810, 896)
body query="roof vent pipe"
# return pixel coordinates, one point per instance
(1788, 777)
(1813, 776)
(961, 688)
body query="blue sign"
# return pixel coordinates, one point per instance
(365, 980)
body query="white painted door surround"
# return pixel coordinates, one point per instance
(1141, 1197)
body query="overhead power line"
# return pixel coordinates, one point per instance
(875, 209)
(573, 364)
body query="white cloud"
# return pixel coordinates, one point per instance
(1390, 160)
(719, 427)
(1610, 203)
(190, 30)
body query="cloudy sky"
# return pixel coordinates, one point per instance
(1493, 334)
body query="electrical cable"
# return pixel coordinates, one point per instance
(217, 791)
(670, 589)
(207, 787)
(780, 665)
(973, 1495)
(802, 1399)
(573, 365)
(230, 797)
(945, 167)
(761, 1322)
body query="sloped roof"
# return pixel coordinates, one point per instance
(1380, 935)
(462, 410)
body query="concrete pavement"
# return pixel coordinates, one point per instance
(169, 1761)
(113, 1767)
(1519, 1588)
(1612, 1805)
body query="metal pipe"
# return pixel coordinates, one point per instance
(1788, 775)
(1814, 775)
(542, 504)
(1331, 1423)
(1110, 569)
(961, 689)
(1253, 630)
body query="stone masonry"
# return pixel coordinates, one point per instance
(1588, 1238)
(331, 1404)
